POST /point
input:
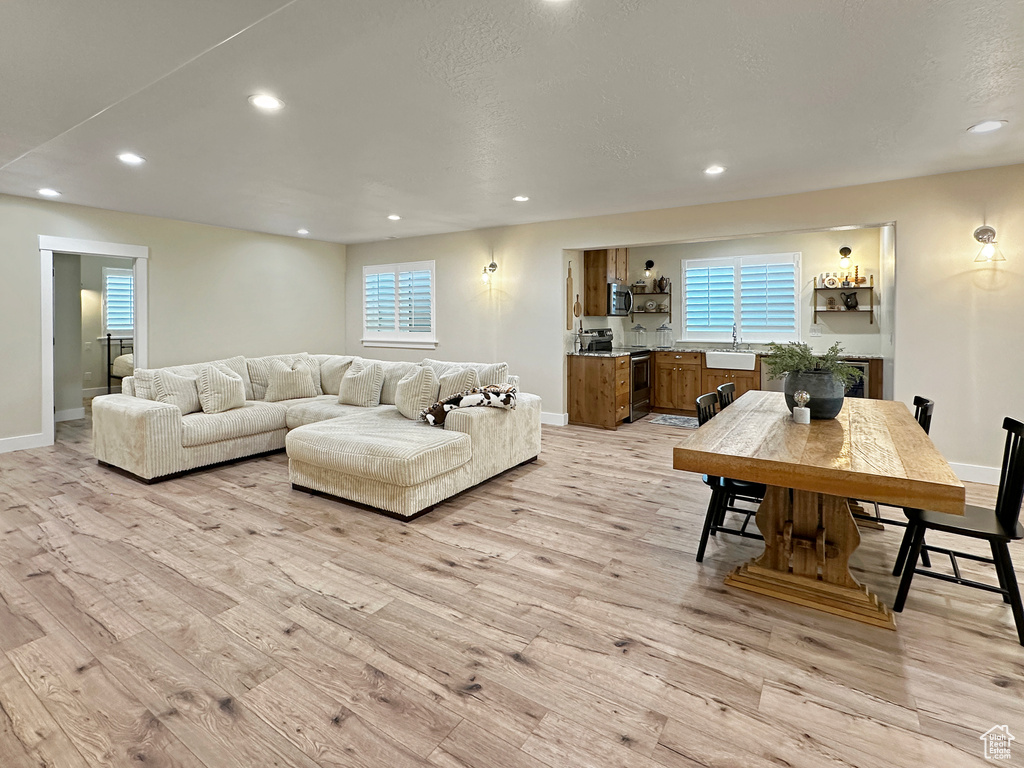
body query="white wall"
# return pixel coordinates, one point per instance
(959, 326)
(213, 292)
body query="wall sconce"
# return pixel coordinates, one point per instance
(989, 252)
(489, 270)
(648, 267)
(844, 257)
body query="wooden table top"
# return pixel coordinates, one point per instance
(873, 450)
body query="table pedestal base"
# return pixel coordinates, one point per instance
(809, 538)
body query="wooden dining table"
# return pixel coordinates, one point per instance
(873, 450)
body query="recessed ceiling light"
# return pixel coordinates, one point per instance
(47, 192)
(714, 170)
(395, 217)
(520, 198)
(130, 158)
(302, 231)
(986, 126)
(266, 102)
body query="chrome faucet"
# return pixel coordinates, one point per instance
(735, 339)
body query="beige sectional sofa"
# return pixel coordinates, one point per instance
(371, 455)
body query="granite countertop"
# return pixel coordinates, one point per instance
(620, 351)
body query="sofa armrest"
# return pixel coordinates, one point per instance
(137, 435)
(501, 438)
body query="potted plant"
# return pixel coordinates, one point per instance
(824, 377)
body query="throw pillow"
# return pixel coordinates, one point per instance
(493, 397)
(490, 373)
(394, 372)
(361, 384)
(175, 389)
(458, 380)
(259, 371)
(415, 392)
(332, 368)
(144, 381)
(220, 389)
(286, 382)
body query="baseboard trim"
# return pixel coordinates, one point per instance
(96, 391)
(554, 419)
(71, 414)
(974, 473)
(24, 442)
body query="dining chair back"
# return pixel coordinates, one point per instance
(706, 408)
(1011, 477)
(998, 527)
(726, 394)
(923, 408)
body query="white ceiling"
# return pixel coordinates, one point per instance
(443, 110)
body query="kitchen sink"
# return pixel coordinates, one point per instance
(737, 361)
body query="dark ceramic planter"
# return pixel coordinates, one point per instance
(825, 390)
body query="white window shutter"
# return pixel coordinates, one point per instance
(398, 305)
(709, 296)
(118, 301)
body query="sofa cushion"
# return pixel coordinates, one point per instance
(332, 368)
(455, 381)
(313, 409)
(490, 373)
(416, 391)
(252, 418)
(144, 382)
(220, 389)
(361, 384)
(259, 371)
(175, 389)
(402, 456)
(394, 372)
(290, 381)
(236, 364)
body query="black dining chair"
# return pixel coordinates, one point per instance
(923, 408)
(998, 527)
(725, 492)
(726, 394)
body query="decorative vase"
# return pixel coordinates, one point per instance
(663, 284)
(826, 391)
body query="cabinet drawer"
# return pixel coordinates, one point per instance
(622, 412)
(678, 358)
(622, 364)
(622, 386)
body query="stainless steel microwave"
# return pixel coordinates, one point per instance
(620, 299)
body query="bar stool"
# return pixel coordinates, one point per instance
(998, 527)
(725, 492)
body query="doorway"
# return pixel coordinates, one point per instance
(61, 278)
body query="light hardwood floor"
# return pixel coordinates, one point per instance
(553, 617)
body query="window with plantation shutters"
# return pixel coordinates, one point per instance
(398, 305)
(758, 293)
(118, 301)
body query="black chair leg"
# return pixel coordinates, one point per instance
(717, 499)
(997, 556)
(908, 570)
(926, 561)
(1010, 578)
(901, 558)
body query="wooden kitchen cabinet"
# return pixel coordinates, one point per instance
(601, 267)
(599, 390)
(712, 378)
(677, 379)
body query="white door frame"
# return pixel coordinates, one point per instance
(139, 254)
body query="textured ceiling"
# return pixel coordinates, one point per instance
(443, 110)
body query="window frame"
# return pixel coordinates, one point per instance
(397, 338)
(105, 272)
(737, 263)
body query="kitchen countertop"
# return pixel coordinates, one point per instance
(620, 351)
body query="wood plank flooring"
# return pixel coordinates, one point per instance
(553, 617)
